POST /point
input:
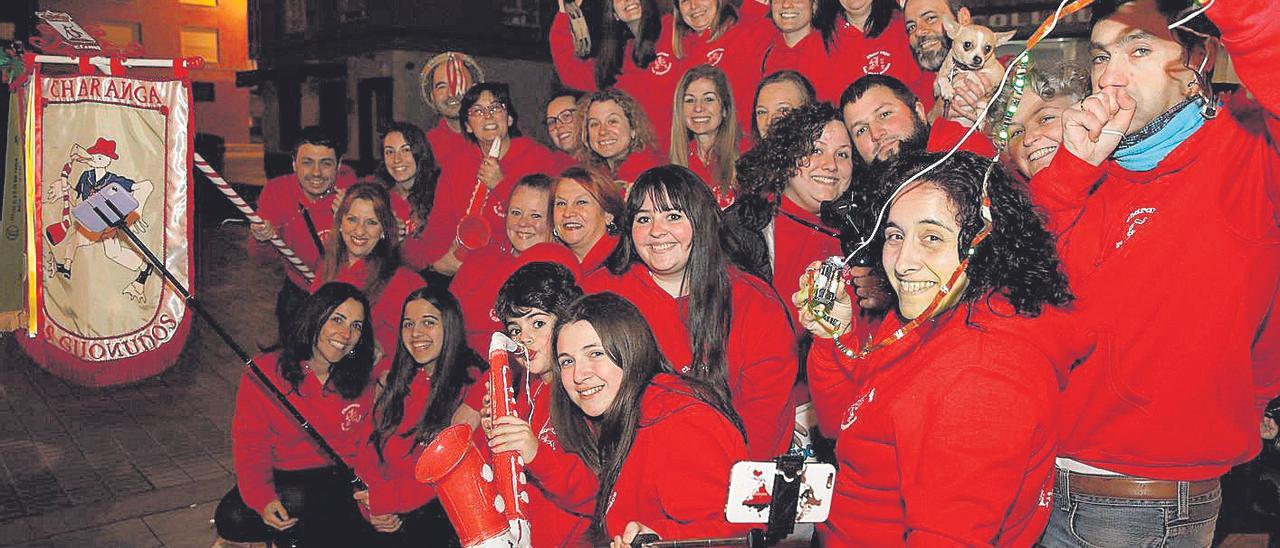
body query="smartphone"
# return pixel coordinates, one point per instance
(751, 492)
(113, 194)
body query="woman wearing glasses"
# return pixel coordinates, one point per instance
(468, 209)
(562, 126)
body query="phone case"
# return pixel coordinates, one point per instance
(751, 491)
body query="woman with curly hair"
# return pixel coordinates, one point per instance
(287, 490)
(705, 135)
(713, 321)
(619, 138)
(410, 172)
(660, 446)
(968, 371)
(428, 376)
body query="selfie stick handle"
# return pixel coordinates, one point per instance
(120, 225)
(225, 188)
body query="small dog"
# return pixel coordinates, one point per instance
(973, 49)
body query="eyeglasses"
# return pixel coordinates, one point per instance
(480, 111)
(565, 117)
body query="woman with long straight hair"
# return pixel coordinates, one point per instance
(365, 252)
(287, 490)
(409, 171)
(659, 445)
(426, 381)
(705, 135)
(871, 38)
(713, 321)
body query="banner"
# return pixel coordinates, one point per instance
(103, 315)
(12, 220)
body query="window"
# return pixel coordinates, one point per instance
(202, 91)
(211, 3)
(118, 33)
(200, 42)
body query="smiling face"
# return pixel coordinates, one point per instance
(700, 15)
(360, 228)
(776, 100)
(663, 239)
(880, 123)
(608, 130)
(921, 249)
(533, 332)
(929, 42)
(1036, 132)
(317, 169)
(627, 11)
(562, 124)
(488, 118)
(588, 374)
(826, 173)
(443, 99)
(703, 107)
(579, 218)
(1133, 51)
(340, 332)
(527, 218)
(422, 330)
(398, 156)
(792, 16)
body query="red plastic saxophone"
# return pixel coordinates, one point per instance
(508, 465)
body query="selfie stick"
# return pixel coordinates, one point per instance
(119, 224)
(783, 509)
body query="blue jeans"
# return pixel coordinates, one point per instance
(1082, 520)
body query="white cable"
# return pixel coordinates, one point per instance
(1193, 15)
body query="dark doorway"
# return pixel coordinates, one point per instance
(333, 109)
(375, 113)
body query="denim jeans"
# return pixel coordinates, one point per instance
(1082, 520)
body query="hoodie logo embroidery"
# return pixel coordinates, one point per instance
(878, 62)
(714, 56)
(547, 435)
(661, 64)
(351, 415)
(851, 416)
(1136, 218)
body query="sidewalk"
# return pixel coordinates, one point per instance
(139, 465)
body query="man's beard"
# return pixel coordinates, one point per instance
(915, 143)
(932, 61)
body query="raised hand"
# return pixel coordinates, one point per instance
(1092, 130)
(513, 434)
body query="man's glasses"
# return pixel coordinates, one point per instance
(565, 117)
(480, 111)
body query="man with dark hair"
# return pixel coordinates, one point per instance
(298, 209)
(1168, 215)
(885, 119)
(929, 42)
(444, 80)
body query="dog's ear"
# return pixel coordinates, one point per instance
(951, 27)
(1002, 37)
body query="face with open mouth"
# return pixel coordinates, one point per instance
(921, 249)
(422, 331)
(587, 373)
(699, 14)
(880, 123)
(826, 173)
(562, 123)
(792, 16)
(488, 118)
(398, 157)
(340, 332)
(443, 99)
(579, 218)
(527, 218)
(361, 229)
(703, 109)
(663, 240)
(533, 332)
(317, 169)
(627, 11)
(1036, 132)
(609, 130)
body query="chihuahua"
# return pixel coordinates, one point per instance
(973, 49)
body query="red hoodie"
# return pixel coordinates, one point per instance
(1167, 396)
(888, 54)
(477, 283)
(676, 477)
(386, 307)
(948, 436)
(458, 183)
(809, 57)
(392, 487)
(279, 205)
(446, 144)
(265, 437)
(944, 134)
(799, 238)
(595, 258)
(761, 365)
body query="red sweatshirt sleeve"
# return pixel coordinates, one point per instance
(1250, 29)
(964, 455)
(1062, 187)
(574, 72)
(830, 384)
(251, 437)
(765, 372)
(693, 495)
(566, 480)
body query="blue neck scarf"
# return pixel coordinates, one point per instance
(1144, 150)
